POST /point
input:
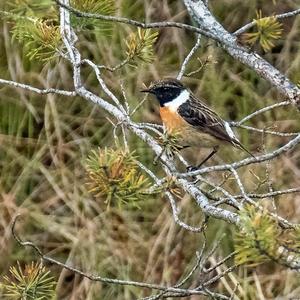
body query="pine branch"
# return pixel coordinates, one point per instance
(278, 17)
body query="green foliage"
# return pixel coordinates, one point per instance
(258, 241)
(269, 29)
(41, 40)
(140, 46)
(103, 7)
(35, 283)
(262, 239)
(115, 177)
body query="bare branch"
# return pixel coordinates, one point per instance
(103, 85)
(171, 199)
(273, 194)
(117, 67)
(209, 27)
(232, 202)
(291, 144)
(188, 57)
(260, 111)
(266, 131)
(262, 196)
(119, 115)
(37, 90)
(222, 261)
(96, 277)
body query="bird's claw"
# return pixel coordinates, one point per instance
(191, 169)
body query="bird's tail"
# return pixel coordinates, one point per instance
(239, 145)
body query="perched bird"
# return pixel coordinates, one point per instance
(190, 119)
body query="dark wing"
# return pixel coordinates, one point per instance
(197, 114)
(200, 116)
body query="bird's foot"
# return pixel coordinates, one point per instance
(192, 168)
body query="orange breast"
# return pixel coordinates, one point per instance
(172, 120)
(187, 134)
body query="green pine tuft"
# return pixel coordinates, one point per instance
(269, 29)
(34, 282)
(258, 241)
(140, 46)
(41, 40)
(114, 176)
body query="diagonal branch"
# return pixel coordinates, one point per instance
(260, 111)
(206, 21)
(188, 57)
(290, 145)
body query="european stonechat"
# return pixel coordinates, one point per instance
(190, 119)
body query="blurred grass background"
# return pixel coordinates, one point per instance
(45, 140)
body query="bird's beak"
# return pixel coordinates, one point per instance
(146, 91)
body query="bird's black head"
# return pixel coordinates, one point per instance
(165, 90)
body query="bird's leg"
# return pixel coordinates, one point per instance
(210, 155)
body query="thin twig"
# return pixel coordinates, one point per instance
(97, 277)
(272, 132)
(103, 85)
(127, 21)
(260, 111)
(117, 67)
(37, 90)
(265, 195)
(188, 57)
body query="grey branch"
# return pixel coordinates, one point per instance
(266, 195)
(266, 131)
(210, 28)
(290, 145)
(188, 57)
(37, 90)
(206, 21)
(73, 55)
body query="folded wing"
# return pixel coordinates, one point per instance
(200, 116)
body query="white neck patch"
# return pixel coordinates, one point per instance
(229, 131)
(180, 99)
